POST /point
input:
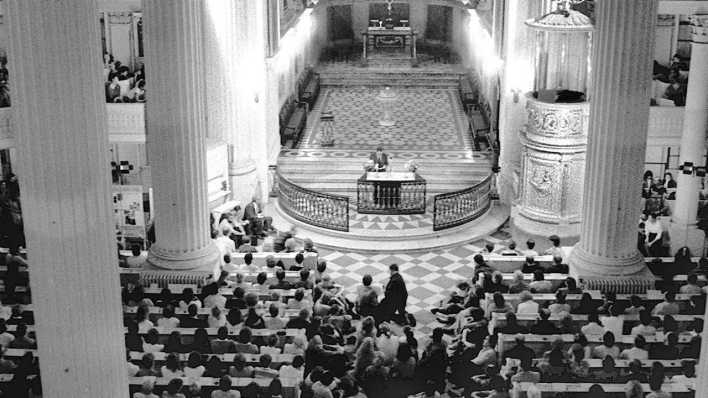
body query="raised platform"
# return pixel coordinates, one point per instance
(392, 72)
(392, 233)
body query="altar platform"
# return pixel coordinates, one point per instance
(431, 130)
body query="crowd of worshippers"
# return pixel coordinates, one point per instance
(346, 348)
(122, 84)
(16, 333)
(11, 225)
(672, 79)
(656, 193)
(4, 83)
(475, 364)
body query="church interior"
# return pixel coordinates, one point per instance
(353, 198)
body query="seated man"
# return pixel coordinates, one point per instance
(137, 259)
(379, 159)
(257, 222)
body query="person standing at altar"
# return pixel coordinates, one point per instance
(380, 159)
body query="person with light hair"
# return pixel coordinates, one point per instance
(518, 284)
(527, 305)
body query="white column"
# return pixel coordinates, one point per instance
(623, 47)
(59, 115)
(517, 80)
(683, 230)
(249, 54)
(176, 125)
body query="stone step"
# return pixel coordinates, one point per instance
(350, 189)
(358, 169)
(297, 177)
(351, 162)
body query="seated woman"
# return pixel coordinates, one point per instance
(499, 305)
(608, 373)
(518, 284)
(555, 363)
(585, 306)
(560, 306)
(608, 347)
(579, 370)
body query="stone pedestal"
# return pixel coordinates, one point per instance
(683, 230)
(552, 168)
(606, 256)
(63, 166)
(177, 126)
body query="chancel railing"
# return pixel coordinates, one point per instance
(391, 196)
(314, 208)
(460, 207)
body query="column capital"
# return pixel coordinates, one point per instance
(699, 28)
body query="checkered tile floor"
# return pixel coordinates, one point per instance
(390, 222)
(426, 120)
(428, 276)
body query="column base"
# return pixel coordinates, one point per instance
(687, 235)
(243, 180)
(567, 232)
(207, 259)
(628, 275)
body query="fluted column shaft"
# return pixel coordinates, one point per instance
(64, 173)
(623, 47)
(693, 138)
(177, 127)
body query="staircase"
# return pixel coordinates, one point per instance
(339, 175)
(383, 73)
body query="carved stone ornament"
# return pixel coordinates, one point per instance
(699, 28)
(553, 120)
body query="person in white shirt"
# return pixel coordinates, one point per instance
(217, 318)
(668, 306)
(613, 322)
(637, 352)
(653, 234)
(141, 317)
(224, 243)
(530, 252)
(297, 347)
(225, 390)
(295, 371)
(194, 368)
(527, 305)
(608, 347)
(274, 322)
(146, 390)
(168, 320)
(688, 378)
(170, 369)
(645, 327)
(189, 298)
(555, 249)
(137, 259)
(560, 307)
(387, 344)
(150, 342)
(593, 327)
(213, 298)
(691, 286)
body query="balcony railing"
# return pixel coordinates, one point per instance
(460, 207)
(313, 208)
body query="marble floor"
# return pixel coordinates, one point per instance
(427, 119)
(429, 276)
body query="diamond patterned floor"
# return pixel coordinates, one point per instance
(390, 222)
(429, 276)
(418, 113)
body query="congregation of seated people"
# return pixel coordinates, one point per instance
(122, 84)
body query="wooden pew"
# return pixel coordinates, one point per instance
(156, 312)
(290, 386)
(542, 343)
(176, 290)
(548, 389)
(259, 335)
(288, 259)
(281, 359)
(499, 319)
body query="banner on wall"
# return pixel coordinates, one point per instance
(128, 212)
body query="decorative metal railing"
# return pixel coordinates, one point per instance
(391, 197)
(460, 207)
(314, 208)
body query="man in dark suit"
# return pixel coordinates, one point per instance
(380, 160)
(257, 222)
(396, 296)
